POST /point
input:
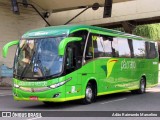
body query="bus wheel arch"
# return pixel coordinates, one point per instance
(91, 86)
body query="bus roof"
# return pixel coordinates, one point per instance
(66, 29)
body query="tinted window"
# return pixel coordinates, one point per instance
(139, 49)
(151, 50)
(79, 47)
(89, 49)
(83, 34)
(69, 59)
(74, 55)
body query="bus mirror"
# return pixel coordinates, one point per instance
(5, 48)
(64, 42)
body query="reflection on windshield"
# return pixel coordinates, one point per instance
(27, 48)
(38, 58)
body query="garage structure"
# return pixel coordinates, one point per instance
(124, 13)
(12, 26)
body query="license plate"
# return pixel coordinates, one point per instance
(33, 98)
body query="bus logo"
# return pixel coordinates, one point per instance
(110, 65)
(128, 65)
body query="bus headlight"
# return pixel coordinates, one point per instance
(16, 86)
(60, 83)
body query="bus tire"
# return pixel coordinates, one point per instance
(142, 87)
(89, 94)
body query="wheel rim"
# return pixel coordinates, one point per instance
(89, 94)
(142, 86)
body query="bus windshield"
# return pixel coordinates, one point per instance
(38, 58)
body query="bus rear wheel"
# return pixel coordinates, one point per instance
(89, 94)
(142, 87)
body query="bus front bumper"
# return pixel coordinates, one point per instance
(52, 95)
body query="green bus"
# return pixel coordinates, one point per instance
(70, 62)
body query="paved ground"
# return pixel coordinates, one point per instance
(115, 102)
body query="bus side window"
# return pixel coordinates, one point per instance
(152, 51)
(98, 43)
(115, 47)
(147, 49)
(123, 46)
(139, 49)
(104, 46)
(107, 41)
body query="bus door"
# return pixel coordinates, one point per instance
(74, 55)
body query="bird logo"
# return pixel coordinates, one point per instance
(110, 65)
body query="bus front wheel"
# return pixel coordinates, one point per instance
(89, 94)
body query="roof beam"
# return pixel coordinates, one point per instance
(63, 5)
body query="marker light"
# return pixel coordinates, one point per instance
(16, 86)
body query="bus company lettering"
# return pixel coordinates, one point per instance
(38, 84)
(41, 33)
(128, 64)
